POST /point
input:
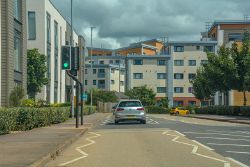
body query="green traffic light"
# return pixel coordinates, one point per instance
(65, 65)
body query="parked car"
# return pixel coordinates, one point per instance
(179, 111)
(127, 110)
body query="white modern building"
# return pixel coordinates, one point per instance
(47, 31)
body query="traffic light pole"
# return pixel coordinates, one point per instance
(77, 99)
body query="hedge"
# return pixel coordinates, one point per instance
(224, 110)
(156, 110)
(19, 119)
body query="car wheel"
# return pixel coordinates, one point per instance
(177, 113)
(143, 121)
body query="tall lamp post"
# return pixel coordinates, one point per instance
(71, 45)
(91, 69)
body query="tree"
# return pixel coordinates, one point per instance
(241, 58)
(143, 93)
(16, 95)
(102, 96)
(36, 70)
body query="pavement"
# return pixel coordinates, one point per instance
(36, 147)
(232, 119)
(165, 141)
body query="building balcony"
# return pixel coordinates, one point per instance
(101, 75)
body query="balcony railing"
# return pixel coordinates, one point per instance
(101, 75)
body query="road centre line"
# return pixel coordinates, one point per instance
(203, 145)
(223, 134)
(222, 144)
(237, 162)
(195, 149)
(78, 149)
(237, 152)
(222, 138)
(244, 132)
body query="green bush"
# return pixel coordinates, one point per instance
(28, 103)
(224, 110)
(156, 110)
(16, 119)
(16, 95)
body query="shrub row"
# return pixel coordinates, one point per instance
(224, 110)
(157, 110)
(19, 119)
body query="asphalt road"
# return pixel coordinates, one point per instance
(165, 141)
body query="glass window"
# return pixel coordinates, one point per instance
(101, 70)
(208, 49)
(161, 90)
(112, 82)
(161, 62)
(56, 34)
(178, 76)
(178, 89)
(235, 37)
(111, 61)
(198, 47)
(204, 62)
(138, 62)
(94, 82)
(130, 104)
(86, 71)
(101, 62)
(179, 48)
(94, 71)
(17, 51)
(192, 62)
(161, 75)
(190, 90)
(18, 9)
(179, 62)
(117, 61)
(32, 25)
(48, 28)
(178, 103)
(191, 75)
(138, 75)
(192, 103)
(86, 82)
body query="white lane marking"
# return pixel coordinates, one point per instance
(222, 138)
(151, 121)
(78, 149)
(244, 132)
(203, 145)
(222, 134)
(237, 162)
(180, 133)
(195, 149)
(221, 144)
(237, 152)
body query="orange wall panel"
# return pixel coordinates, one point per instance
(238, 98)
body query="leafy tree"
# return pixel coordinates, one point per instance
(16, 96)
(36, 72)
(163, 102)
(101, 95)
(241, 58)
(143, 93)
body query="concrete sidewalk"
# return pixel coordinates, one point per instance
(232, 119)
(35, 147)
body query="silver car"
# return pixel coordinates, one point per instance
(127, 110)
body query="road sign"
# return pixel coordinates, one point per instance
(84, 97)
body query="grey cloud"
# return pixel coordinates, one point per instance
(130, 20)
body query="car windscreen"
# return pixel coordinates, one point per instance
(130, 104)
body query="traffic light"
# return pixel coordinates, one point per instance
(74, 60)
(66, 59)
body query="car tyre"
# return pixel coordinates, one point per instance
(177, 113)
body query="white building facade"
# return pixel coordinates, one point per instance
(47, 30)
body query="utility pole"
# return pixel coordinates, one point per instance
(91, 69)
(71, 44)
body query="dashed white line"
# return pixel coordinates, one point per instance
(202, 145)
(244, 132)
(237, 152)
(237, 162)
(222, 134)
(222, 138)
(78, 149)
(222, 144)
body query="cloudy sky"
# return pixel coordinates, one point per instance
(120, 22)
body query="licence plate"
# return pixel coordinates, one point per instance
(131, 116)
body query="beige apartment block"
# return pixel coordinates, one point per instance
(13, 49)
(187, 58)
(148, 70)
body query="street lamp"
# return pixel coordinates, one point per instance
(91, 67)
